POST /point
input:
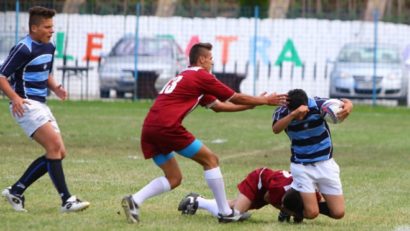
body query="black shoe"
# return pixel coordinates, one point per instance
(131, 209)
(297, 219)
(233, 217)
(282, 217)
(189, 204)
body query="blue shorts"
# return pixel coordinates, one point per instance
(190, 151)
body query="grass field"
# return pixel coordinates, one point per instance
(105, 163)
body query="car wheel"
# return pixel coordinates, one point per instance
(105, 93)
(402, 101)
(120, 94)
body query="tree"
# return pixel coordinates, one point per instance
(278, 8)
(166, 8)
(72, 6)
(373, 5)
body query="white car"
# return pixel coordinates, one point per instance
(353, 71)
(159, 60)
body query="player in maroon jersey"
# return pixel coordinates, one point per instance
(163, 132)
(261, 187)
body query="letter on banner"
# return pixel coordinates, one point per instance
(226, 40)
(92, 45)
(289, 49)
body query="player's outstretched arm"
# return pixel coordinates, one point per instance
(229, 107)
(271, 99)
(346, 109)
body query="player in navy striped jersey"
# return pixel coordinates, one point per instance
(25, 77)
(312, 164)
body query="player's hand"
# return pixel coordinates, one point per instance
(277, 99)
(17, 105)
(346, 109)
(60, 92)
(300, 112)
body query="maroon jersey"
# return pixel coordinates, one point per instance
(263, 180)
(182, 94)
(162, 131)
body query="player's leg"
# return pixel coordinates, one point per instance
(213, 176)
(331, 188)
(334, 206)
(310, 205)
(51, 140)
(242, 203)
(173, 176)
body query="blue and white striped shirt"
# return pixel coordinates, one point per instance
(310, 137)
(29, 65)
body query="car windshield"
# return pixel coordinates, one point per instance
(147, 47)
(360, 54)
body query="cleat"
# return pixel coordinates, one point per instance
(233, 217)
(16, 201)
(189, 204)
(131, 209)
(297, 219)
(73, 204)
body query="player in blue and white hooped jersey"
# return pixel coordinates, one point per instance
(312, 164)
(28, 68)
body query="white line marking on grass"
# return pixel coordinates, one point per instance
(403, 228)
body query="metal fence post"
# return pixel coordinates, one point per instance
(256, 17)
(137, 14)
(375, 19)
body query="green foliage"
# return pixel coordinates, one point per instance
(104, 163)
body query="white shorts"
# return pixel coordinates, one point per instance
(323, 176)
(36, 114)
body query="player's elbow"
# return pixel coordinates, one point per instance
(275, 130)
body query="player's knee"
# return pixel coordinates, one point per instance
(337, 214)
(175, 181)
(213, 161)
(310, 213)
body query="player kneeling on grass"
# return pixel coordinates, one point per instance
(312, 164)
(261, 187)
(163, 132)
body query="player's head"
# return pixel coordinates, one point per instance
(41, 23)
(292, 203)
(296, 98)
(200, 55)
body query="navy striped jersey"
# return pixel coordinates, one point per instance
(29, 65)
(310, 137)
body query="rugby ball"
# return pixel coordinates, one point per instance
(329, 110)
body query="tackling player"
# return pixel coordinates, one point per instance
(163, 132)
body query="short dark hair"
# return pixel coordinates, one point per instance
(293, 201)
(296, 97)
(38, 13)
(197, 50)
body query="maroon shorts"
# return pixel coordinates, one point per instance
(249, 188)
(160, 140)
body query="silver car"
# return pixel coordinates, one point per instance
(159, 60)
(352, 74)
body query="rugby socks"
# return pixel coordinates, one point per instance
(208, 204)
(36, 170)
(216, 183)
(55, 170)
(324, 209)
(155, 187)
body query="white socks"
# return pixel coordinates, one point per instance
(216, 183)
(208, 204)
(155, 187)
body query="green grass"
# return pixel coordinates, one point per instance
(104, 163)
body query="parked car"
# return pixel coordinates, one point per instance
(159, 57)
(352, 74)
